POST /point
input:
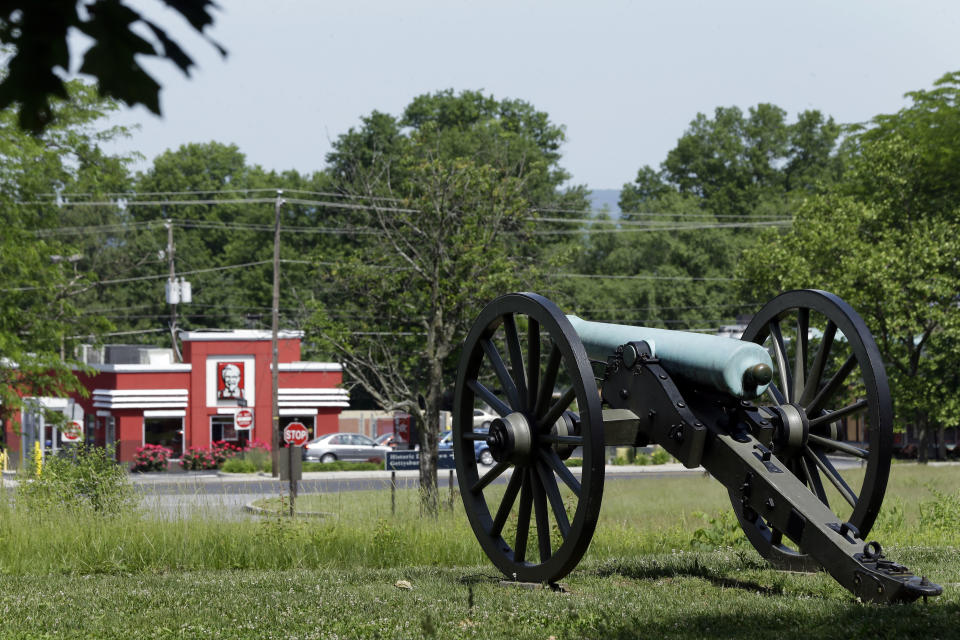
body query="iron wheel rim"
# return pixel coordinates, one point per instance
(533, 488)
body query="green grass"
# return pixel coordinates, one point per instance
(147, 576)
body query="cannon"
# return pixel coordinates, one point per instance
(768, 416)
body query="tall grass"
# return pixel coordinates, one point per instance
(642, 516)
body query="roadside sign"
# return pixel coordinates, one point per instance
(296, 434)
(72, 431)
(243, 419)
(410, 460)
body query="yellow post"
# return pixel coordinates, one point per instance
(37, 458)
(3, 458)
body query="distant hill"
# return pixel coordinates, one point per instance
(608, 197)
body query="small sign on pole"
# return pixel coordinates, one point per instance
(72, 431)
(243, 419)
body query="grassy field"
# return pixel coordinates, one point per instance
(335, 577)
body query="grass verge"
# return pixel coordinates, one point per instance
(149, 576)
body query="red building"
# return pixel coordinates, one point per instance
(139, 395)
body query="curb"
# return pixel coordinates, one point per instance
(260, 511)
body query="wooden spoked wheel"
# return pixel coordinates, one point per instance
(830, 392)
(533, 517)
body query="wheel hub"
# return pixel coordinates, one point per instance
(511, 439)
(794, 427)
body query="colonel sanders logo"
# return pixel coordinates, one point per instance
(229, 380)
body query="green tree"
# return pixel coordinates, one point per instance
(222, 209)
(46, 269)
(509, 135)
(36, 34)
(686, 223)
(886, 239)
(449, 189)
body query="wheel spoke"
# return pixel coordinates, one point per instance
(509, 497)
(557, 409)
(489, 477)
(839, 413)
(502, 374)
(800, 360)
(523, 518)
(827, 468)
(836, 445)
(814, 480)
(780, 354)
(831, 387)
(489, 397)
(516, 358)
(819, 362)
(774, 394)
(561, 470)
(549, 380)
(549, 483)
(540, 511)
(533, 361)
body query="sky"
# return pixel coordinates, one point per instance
(624, 78)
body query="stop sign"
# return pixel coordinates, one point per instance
(295, 434)
(72, 432)
(243, 419)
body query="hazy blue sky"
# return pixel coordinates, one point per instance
(625, 78)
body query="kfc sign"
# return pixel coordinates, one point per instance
(230, 380)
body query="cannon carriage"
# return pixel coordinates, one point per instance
(766, 416)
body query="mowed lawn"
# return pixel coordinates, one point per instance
(346, 576)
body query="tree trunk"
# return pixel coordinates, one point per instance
(941, 443)
(429, 495)
(924, 446)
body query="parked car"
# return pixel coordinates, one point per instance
(482, 419)
(388, 440)
(480, 449)
(343, 446)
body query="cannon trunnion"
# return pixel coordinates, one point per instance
(766, 416)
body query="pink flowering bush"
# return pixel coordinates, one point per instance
(223, 451)
(198, 459)
(213, 457)
(151, 457)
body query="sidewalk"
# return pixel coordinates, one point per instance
(673, 467)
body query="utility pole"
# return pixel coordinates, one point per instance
(171, 298)
(275, 404)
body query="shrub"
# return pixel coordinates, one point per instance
(660, 456)
(239, 465)
(223, 451)
(151, 457)
(258, 453)
(198, 459)
(80, 477)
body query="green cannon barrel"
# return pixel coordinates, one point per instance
(743, 369)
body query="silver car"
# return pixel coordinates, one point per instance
(354, 447)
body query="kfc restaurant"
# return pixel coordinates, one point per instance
(139, 395)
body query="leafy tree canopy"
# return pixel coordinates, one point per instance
(885, 238)
(508, 135)
(737, 164)
(37, 32)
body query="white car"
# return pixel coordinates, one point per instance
(343, 446)
(482, 419)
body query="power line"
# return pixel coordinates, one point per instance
(643, 277)
(668, 213)
(690, 227)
